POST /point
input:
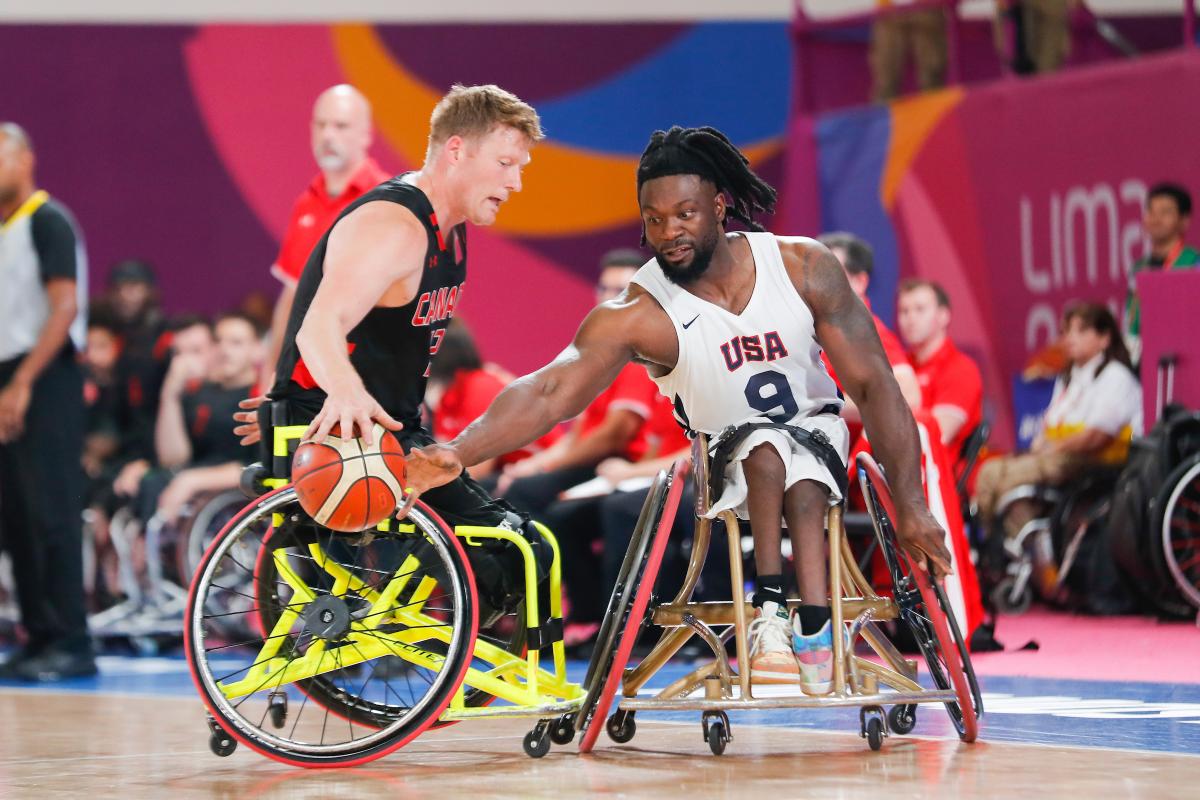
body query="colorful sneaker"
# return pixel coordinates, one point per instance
(814, 654)
(771, 657)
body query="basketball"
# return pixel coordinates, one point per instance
(349, 486)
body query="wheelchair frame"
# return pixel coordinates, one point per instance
(856, 680)
(530, 689)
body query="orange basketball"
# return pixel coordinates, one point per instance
(347, 485)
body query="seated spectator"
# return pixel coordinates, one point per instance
(189, 340)
(951, 386)
(613, 425)
(101, 436)
(1168, 214)
(895, 37)
(1089, 422)
(198, 452)
(145, 351)
(859, 261)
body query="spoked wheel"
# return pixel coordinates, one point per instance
(1181, 528)
(351, 644)
(924, 608)
(210, 520)
(629, 605)
(508, 632)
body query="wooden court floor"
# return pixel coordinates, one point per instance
(63, 745)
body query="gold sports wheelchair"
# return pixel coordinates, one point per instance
(324, 649)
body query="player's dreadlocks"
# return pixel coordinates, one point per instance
(708, 153)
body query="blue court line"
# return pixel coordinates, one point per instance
(1158, 717)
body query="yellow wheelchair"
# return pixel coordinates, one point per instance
(319, 648)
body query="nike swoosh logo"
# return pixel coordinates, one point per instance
(687, 325)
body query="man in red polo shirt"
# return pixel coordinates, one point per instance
(951, 386)
(341, 135)
(858, 260)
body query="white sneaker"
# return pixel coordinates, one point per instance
(772, 659)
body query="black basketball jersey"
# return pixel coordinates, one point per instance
(391, 348)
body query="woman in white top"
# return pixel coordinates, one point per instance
(1090, 420)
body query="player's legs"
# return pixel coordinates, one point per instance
(771, 656)
(805, 505)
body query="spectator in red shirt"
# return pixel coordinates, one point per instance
(341, 136)
(461, 387)
(951, 385)
(613, 425)
(859, 261)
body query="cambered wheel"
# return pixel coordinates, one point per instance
(1181, 528)
(924, 608)
(366, 636)
(628, 608)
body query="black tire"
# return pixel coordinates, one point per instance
(536, 745)
(212, 517)
(874, 730)
(621, 727)
(563, 730)
(902, 719)
(717, 737)
(318, 735)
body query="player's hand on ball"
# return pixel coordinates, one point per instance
(924, 540)
(247, 420)
(352, 409)
(427, 468)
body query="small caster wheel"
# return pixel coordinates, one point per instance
(222, 744)
(536, 743)
(902, 719)
(874, 733)
(563, 730)
(277, 707)
(1002, 597)
(717, 737)
(621, 727)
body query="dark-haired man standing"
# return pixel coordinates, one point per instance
(1168, 214)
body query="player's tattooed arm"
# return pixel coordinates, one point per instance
(845, 330)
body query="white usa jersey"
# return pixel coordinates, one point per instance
(763, 363)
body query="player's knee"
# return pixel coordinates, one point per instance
(763, 463)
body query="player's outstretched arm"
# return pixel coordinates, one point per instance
(531, 405)
(845, 329)
(369, 251)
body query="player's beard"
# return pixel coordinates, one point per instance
(702, 253)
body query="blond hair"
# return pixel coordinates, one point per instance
(473, 111)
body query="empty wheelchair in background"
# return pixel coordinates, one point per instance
(716, 687)
(155, 562)
(1180, 529)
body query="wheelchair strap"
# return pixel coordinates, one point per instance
(815, 442)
